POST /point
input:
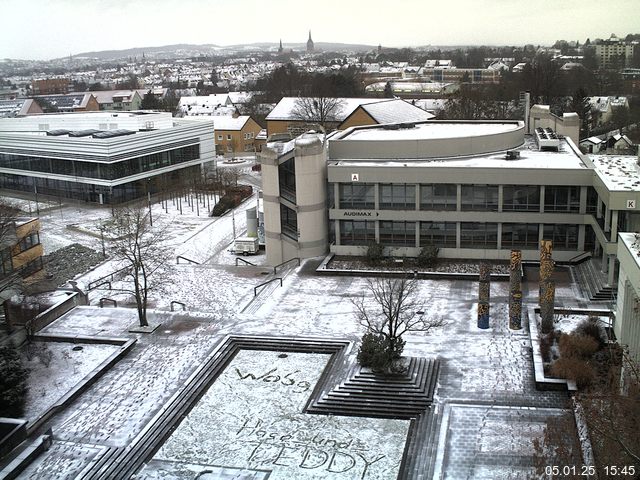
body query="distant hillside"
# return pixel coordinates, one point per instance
(149, 51)
(186, 50)
(324, 46)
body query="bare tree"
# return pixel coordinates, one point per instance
(142, 249)
(320, 110)
(397, 311)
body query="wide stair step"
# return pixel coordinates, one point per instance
(368, 394)
(593, 282)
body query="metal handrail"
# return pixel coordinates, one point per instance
(283, 263)
(184, 306)
(98, 281)
(245, 261)
(185, 258)
(586, 254)
(255, 289)
(104, 300)
(106, 282)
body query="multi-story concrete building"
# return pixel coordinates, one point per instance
(102, 157)
(614, 53)
(475, 189)
(627, 324)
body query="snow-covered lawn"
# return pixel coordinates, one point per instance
(55, 368)
(251, 417)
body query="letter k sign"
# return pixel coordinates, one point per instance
(355, 177)
(631, 204)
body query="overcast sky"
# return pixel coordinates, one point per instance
(44, 29)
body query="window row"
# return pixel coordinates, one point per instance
(105, 171)
(472, 197)
(444, 234)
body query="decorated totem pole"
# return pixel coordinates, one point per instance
(515, 290)
(483, 295)
(547, 286)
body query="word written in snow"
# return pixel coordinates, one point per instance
(298, 449)
(272, 377)
(256, 430)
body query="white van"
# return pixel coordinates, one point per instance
(246, 245)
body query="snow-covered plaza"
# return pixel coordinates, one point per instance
(250, 418)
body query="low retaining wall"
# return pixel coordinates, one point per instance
(83, 385)
(542, 382)
(324, 270)
(56, 311)
(13, 432)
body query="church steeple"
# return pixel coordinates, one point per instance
(280, 47)
(309, 43)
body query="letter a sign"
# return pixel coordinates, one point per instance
(355, 177)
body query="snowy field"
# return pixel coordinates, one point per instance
(251, 417)
(55, 368)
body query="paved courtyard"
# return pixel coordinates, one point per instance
(486, 409)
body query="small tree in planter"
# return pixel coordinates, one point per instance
(375, 253)
(396, 311)
(428, 256)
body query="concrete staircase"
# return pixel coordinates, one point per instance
(368, 394)
(593, 282)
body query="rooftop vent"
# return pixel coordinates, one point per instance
(407, 125)
(512, 155)
(391, 126)
(547, 139)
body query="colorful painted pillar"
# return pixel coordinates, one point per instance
(484, 289)
(515, 290)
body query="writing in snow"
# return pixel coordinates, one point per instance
(306, 450)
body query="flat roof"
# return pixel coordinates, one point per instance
(530, 157)
(633, 245)
(618, 172)
(431, 130)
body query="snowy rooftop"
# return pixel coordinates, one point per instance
(230, 123)
(618, 172)
(285, 108)
(530, 157)
(396, 111)
(430, 131)
(631, 242)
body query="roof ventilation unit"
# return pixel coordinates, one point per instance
(547, 139)
(512, 155)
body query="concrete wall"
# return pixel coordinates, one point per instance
(627, 323)
(311, 196)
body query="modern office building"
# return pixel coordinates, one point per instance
(103, 157)
(475, 189)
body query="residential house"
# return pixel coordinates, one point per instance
(385, 111)
(235, 136)
(287, 116)
(605, 106)
(19, 108)
(121, 100)
(72, 102)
